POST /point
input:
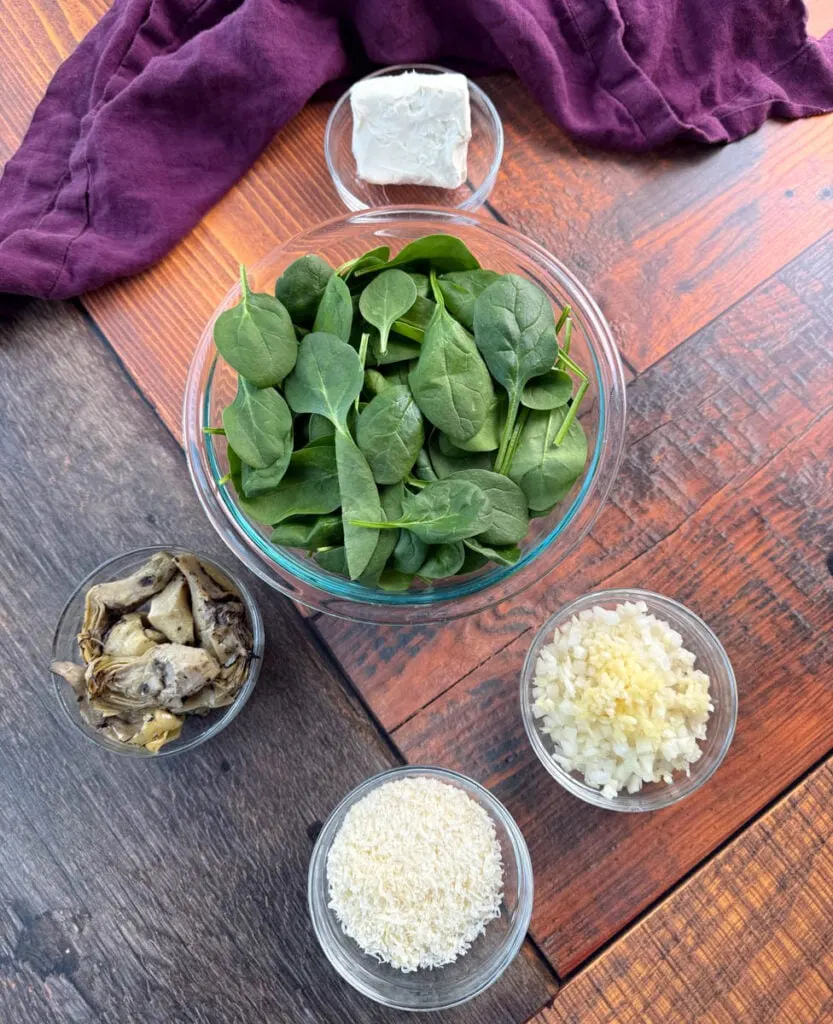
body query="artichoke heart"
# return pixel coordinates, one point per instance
(170, 612)
(219, 616)
(128, 637)
(104, 601)
(161, 677)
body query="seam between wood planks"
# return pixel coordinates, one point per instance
(691, 875)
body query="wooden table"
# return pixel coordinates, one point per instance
(715, 268)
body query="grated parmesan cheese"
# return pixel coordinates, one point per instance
(415, 873)
(620, 698)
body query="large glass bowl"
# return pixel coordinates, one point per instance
(490, 954)
(711, 659)
(211, 385)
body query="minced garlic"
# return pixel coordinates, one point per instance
(620, 698)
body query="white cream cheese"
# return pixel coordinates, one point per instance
(411, 129)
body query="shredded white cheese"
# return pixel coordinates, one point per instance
(415, 873)
(620, 698)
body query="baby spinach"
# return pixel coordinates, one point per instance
(301, 287)
(461, 288)
(256, 482)
(388, 297)
(309, 532)
(391, 501)
(421, 284)
(399, 350)
(442, 561)
(549, 391)
(544, 472)
(309, 487)
(487, 438)
(473, 561)
(333, 560)
(389, 433)
(256, 337)
(409, 553)
(441, 513)
(394, 581)
(258, 425)
(359, 501)
(450, 382)
(413, 324)
(510, 515)
(373, 258)
(375, 382)
(514, 328)
(446, 459)
(319, 426)
(444, 253)
(327, 379)
(335, 311)
(506, 555)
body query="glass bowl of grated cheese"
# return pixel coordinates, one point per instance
(375, 889)
(628, 699)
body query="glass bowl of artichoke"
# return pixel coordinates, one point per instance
(405, 415)
(156, 651)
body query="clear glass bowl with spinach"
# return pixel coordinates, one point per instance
(405, 416)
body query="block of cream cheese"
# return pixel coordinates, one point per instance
(411, 129)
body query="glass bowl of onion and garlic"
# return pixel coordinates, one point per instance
(420, 888)
(538, 453)
(628, 699)
(156, 651)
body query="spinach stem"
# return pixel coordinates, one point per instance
(571, 415)
(244, 283)
(508, 427)
(362, 359)
(568, 336)
(224, 480)
(414, 481)
(214, 430)
(515, 441)
(568, 362)
(565, 313)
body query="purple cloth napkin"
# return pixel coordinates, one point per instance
(167, 102)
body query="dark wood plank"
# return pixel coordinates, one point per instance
(710, 414)
(748, 938)
(172, 890)
(752, 563)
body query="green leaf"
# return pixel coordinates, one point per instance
(399, 350)
(461, 288)
(376, 382)
(487, 438)
(394, 581)
(256, 482)
(442, 561)
(301, 287)
(422, 285)
(335, 311)
(441, 513)
(544, 472)
(359, 501)
(389, 433)
(409, 553)
(423, 469)
(309, 532)
(507, 555)
(333, 560)
(373, 258)
(510, 515)
(320, 427)
(256, 337)
(388, 297)
(258, 425)
(414, 323)
(309, 487)
(514, 329)
(473, 562)
(444, 253)
(327, 378)
(448, 459)
(549, 391)
(450, 382)
(391, 500)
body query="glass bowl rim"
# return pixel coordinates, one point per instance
(678, 613)
(317, 900)
(250, 545)
(481, 193)
(226, 715)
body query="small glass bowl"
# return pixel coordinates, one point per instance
(711, 659)
(197, 728)
(484, 155)
(212, 384)
(490, 954)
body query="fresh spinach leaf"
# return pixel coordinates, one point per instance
(394, 581)
(319, 426)
(327, 379)
(444, 253)
(510, 515)
(301, 287)
(309, 487)
(441, 513)
(256, 482)
(506, 555)
(414, 323)
(423, 469)
(450, 382)
(333, 560)
(473, 562)
(399, 350)
(461, 288)
(391, 501)
(389, 432)
(442, 561)
(373, 258)
(453, 460)
(256, 337)
(422, 285)
(409, 553)
(309, 532)
(514, 329)
(388, 297)
(359, 501)
(549, 391)
(258, 425)
(487, 438)
(544, 472)
(335, 311)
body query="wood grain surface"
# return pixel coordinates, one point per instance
(172, 890)
(748, 938)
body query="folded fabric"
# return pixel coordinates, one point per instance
(167, 102)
